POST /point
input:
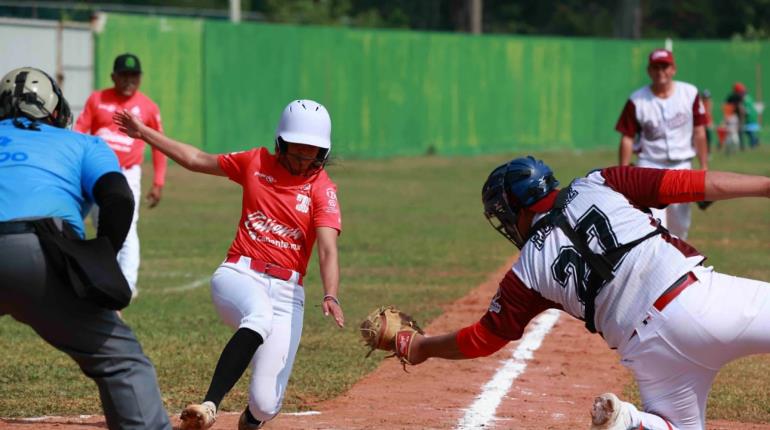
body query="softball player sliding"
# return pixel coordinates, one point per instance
(289, 203)
(670, 121)
(590, 251)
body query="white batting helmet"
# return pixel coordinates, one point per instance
(306, 122)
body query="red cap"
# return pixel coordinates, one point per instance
(738, 87)
(661, 56)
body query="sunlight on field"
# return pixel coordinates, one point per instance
(414, 236)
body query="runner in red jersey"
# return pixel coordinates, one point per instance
(289, 204)
(96, 119)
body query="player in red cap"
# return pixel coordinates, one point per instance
(664, 124)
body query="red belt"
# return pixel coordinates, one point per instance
(674, 290)
(270, 269)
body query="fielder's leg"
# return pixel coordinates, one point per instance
(679, 218)
(713, 321)
(129, 254)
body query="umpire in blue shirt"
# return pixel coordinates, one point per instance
(64, 287)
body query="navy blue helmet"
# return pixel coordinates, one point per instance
(511, 187)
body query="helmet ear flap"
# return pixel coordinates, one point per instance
(62, 115)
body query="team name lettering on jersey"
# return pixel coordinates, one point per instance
(258, 222)
(267, 178)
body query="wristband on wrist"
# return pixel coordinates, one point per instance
(332, 298)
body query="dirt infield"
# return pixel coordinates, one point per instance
(554, 392)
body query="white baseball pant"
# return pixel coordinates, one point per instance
(678, 351)
(675, 217)
(128, 256)
(274, 309)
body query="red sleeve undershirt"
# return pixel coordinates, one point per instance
(627, 123)
(656, 188)
(512, 308)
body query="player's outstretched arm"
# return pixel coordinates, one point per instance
(186, 155)
(728, 185)
(328, 262)
(626, 150)
(701, 146)
(441, 346)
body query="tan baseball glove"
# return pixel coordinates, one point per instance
(389, 329)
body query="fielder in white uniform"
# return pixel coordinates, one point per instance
(673, 321)
(665, 124)
(289, 204)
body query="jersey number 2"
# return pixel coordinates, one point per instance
(570, 264)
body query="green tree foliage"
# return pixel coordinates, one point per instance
(688, 19)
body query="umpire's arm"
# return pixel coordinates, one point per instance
(116, 207)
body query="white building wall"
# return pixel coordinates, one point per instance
(66, 51)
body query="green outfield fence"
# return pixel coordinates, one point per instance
(222, 86)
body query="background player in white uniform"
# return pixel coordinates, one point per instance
(669, 120)
(673, 321)
(288, 202)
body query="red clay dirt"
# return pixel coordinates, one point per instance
(555, 391)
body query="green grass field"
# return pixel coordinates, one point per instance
(414, 235)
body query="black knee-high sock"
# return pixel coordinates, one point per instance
(250, 418)
(232, 363)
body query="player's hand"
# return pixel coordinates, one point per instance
(153, 197)
(128, 123)
(332, 306)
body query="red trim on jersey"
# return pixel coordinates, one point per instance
(477, 341)
(685, 248)
(680, 186)
(545, 204)
(698, 112)
(513, 307)
(627, 123)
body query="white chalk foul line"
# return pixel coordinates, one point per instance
(482, 411)
(187, 287)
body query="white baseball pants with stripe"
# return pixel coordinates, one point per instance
(274, 309)
(677, 353)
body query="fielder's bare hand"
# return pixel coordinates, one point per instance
(332, 306)
(129, 124)
(154, 195)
